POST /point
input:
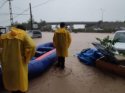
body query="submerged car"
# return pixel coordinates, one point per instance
(120, 36)
(35, 33)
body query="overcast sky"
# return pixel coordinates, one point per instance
(64, 10)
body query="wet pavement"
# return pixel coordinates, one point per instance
(77, 77)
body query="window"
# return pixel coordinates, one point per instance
(120, 36)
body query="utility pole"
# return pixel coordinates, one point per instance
(11, 14)
(102, 14)
(31, 17)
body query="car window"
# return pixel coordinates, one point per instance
(36, 32)
(120, 36)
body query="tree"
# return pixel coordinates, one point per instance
(108, 43)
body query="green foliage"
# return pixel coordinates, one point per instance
(107, 43)
(41, 25)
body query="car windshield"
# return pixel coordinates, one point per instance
(36, 32)
(120, 36)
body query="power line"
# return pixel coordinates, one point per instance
(33, 7)
(11, 17)
(12, 13)
(3, 4)
(42, 3)
(4, 21)
(4, 13)
(21, 13)
(17, 7)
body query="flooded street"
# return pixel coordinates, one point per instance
(77, 77)
(89, 21)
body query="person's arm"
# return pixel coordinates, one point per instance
(54, 40)
(29, 48)
(69, 39)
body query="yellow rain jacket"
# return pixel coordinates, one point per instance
(61, 41)
(17, 49)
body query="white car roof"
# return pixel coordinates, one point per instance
(120, 31)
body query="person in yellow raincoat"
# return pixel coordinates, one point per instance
(17, 50)
(61, 41)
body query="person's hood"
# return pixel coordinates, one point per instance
(61, 30)
(14, 33)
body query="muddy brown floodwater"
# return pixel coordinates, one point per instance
(77, 77)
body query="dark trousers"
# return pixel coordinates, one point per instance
(61, 62)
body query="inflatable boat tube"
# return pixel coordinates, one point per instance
(44, 57)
